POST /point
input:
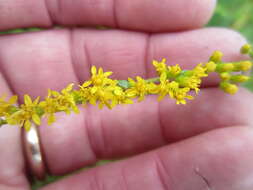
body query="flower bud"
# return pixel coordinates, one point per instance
(216, 57)
(245, 65)
(242, 66)
(245, 49)
(224, 67)
(225, 76)
(210, 66)
(228, 88)
(239, 78)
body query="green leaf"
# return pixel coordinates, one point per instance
(2, 122)
(124, 84)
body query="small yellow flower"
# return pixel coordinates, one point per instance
(139, 88)
(101, 94)
(172, 88)
(191, 82)
(199, 71)
(160, 67)
(120, 97)
(181, 94)
(163, 88)
(65, 100)
(5, 105)
(177, 93)
(26, 114)
(50, 107)
(99, 89)
(173, 71)
(100, 78)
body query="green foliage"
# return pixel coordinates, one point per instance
(20, 30)
(235, 14)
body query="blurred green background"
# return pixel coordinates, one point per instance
(235, 14)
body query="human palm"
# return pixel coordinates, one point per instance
(207, 144)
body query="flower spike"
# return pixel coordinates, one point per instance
(171, 81)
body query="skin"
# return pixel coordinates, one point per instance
(207, 144)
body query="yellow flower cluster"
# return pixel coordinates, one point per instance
(100, 89)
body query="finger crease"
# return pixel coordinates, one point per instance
(147, 55)
(7, 81)
(123, 175)
(72, 59)
(204, 179)
(103, 137)
(89, 134)
(161, 124)
(50, 15)
(115, 17)
(87, 55)
(95, 183)
(161, 172)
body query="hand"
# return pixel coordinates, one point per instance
(207, 144)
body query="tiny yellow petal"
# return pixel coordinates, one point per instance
(69, 87)
(118, 92)
(36, 119)
(93, 101)
(27, 125)
(86, 84)
(128, 101)
(93, 70)
(107, 74)
(76, 110)
(163, 76)
(94, 90)
(36, 101)
(100, 105)
(27, 99)
(13, 99)
(100, 71)
(51, 119)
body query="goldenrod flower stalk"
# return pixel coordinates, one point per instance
(100, 89)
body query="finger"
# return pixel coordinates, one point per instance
(51, 55)
(220, 159)
(145, 15)
(12, 176)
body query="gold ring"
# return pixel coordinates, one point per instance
(33, 153)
